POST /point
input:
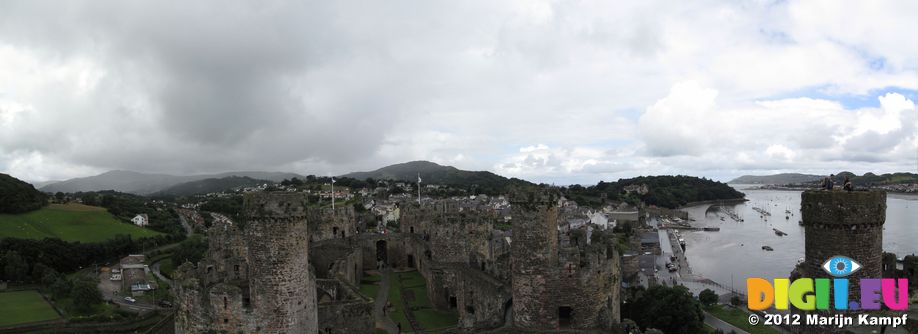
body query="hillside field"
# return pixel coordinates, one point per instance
(19, 307)
(69, 222)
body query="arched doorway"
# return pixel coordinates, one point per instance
(381, 252)
(508, 312)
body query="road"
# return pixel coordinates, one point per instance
(111, 291)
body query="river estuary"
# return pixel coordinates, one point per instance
(735, 252)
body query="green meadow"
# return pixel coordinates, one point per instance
(69, 222)
(19, 307)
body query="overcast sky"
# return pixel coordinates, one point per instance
(552, 91)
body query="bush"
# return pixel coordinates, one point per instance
(707, 297)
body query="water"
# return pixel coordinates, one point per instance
(735, 253)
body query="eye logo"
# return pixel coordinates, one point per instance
(839, 266)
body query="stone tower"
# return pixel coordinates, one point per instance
(282, 288)
(844, 223)
(534, 252)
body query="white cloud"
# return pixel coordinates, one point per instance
(609, 89)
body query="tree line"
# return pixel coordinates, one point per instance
(20, 258)
(666, 191)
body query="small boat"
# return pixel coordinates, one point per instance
(767, 248)
(779, 232)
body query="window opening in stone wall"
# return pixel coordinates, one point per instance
(565, 314)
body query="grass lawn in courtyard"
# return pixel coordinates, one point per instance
(20, 307)
(395, 297)
(738, 318)
(68, 222)
(369, 285)
(416, 288)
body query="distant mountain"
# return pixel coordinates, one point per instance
(17, 196)
(783, 178)
(211, 185)
(433, 173)
(871, 179)
(145, 184)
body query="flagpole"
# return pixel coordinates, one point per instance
(333, 193)
(419, 188)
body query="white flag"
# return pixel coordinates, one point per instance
(419, 178)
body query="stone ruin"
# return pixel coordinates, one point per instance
(256, 277)
(289, 269)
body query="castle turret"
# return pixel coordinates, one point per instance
(535, 257)
(844, 223)
(282, 289)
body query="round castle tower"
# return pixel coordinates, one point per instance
(282, 289)
(844, 223)
(534, 250)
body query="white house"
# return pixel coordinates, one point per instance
(141, 220)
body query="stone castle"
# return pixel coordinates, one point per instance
(848, 224)
(290, 269)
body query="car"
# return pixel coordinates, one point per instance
(130, 299)
(165, 303)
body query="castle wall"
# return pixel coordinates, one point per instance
(328, 223)
(193, 316)
(338, 258)
(844, 223)
(534, 250)
(342, 309)
(282, 289)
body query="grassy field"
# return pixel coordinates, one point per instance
(738, 318)
(428, 318)
(69, 222)
(369, 285)
(19, 307)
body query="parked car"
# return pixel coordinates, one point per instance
(165, 303)
(130, 299)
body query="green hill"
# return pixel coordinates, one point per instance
(433, 173)
(211, 185)
(664, 191)
(68, 222)
(871, 179)
(17, 196)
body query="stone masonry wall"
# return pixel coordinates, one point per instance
(282, 289)
(534, 258)
(844, 223)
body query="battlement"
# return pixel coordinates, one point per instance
(274, 205)
(346, 210)
(829, 208)
(533, 197)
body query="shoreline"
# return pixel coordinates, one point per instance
(713, 201)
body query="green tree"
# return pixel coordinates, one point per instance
(38, 271)
(190, 250)
(671, 309)
(85, 295)
(707, 297)
(15, 268)
(736, 301)
(60, 288)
